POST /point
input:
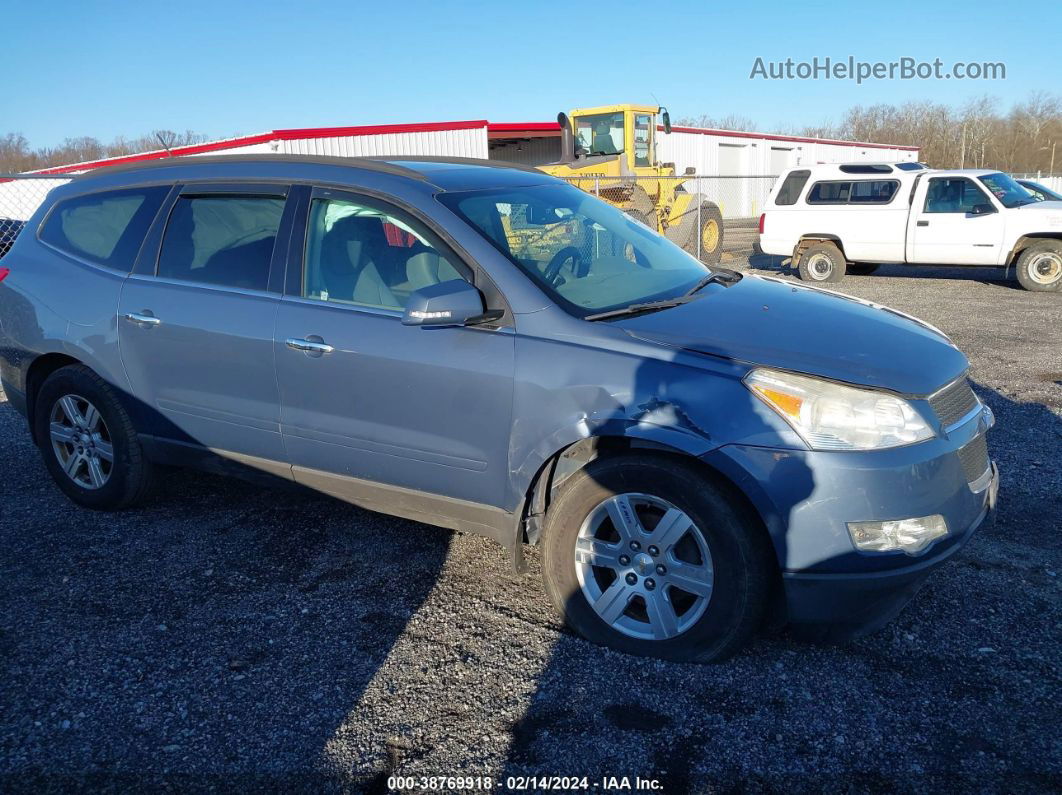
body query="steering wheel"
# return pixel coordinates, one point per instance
(553, 269)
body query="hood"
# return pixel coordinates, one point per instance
(780, 324)
(1050, 208)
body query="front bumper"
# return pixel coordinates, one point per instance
(806, 499)
(842, 606)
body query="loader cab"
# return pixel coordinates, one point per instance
(627, 132)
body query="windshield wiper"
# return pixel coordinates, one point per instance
(720, 276)
(636, 309)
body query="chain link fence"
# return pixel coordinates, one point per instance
(714, 217)
(20, 196)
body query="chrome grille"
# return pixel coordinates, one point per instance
(974, 458)
(953, 403)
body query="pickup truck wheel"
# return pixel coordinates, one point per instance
(88, 441)
(1039, 267)
(861, 268)
(822, 262)
(646, 556)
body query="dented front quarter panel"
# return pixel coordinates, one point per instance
(570, 387)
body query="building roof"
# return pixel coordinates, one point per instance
(495, 130)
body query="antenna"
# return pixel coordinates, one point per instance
(166, 146)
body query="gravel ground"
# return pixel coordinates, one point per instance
(229, 637)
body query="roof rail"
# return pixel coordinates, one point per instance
(457, 161)
(367, 163)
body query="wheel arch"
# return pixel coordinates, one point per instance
(1025, 241)
(36, 374)
(807, 241)
(575, 456)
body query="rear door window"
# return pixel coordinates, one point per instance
(105, 228)
(222, 240)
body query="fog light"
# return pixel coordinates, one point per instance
(909, 535)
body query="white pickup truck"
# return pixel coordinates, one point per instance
(855, 216)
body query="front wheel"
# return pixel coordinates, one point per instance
(645, 555)
(1039, 267)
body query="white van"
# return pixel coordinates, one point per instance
(852, 217)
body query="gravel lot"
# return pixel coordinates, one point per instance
(229, 637)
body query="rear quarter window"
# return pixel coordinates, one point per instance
(791, 187)
(860, 191)
(105, 228)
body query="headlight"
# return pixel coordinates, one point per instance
(830, 416)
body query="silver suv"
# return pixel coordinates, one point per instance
(490, 349)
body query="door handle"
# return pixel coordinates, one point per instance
(309, 346)
(141, 319)
(923, 223)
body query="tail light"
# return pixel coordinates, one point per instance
(763, 218)
(3, 273)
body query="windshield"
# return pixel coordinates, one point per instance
(586, 254)
(1006, 190)
(600, 134)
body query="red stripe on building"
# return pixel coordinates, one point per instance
(273, 135)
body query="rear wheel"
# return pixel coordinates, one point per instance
(822, 262)
(646, 556)
(88, 441)
(1039, 267)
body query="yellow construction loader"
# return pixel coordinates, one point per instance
(610, 151)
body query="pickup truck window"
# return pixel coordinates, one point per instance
(791, 187)
(864, 191)
(953, 195)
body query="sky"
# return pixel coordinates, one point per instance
(221, 68)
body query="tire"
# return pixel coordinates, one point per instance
(861, 268)
(77, 411)
(1039, 267)
(711, 235)
(822, 262)
(732, 578)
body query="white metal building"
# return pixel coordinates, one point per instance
(723, 153)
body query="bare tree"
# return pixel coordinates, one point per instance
(1027, 138)
(16, 154)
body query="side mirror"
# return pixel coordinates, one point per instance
(689, 171)
(451, 303)
(982, 209)
(665, 117)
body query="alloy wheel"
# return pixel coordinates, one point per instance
(81, 441)
(644, 566)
